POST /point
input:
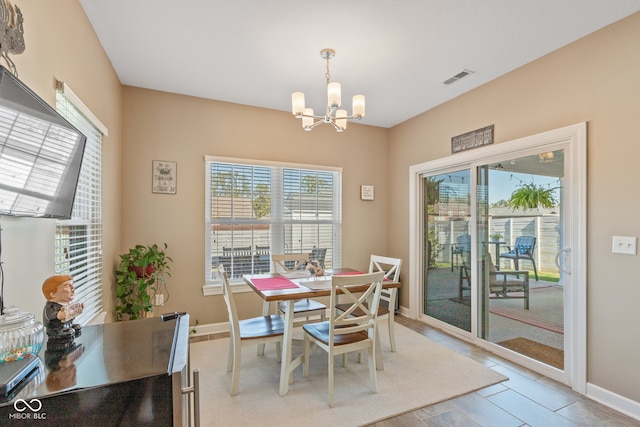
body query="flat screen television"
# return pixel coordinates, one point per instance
(40, 154)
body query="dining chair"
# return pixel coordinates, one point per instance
(346, 331)
(253, 331)
(291, 264)
(388, 297)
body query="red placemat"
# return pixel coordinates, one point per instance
(273, 283)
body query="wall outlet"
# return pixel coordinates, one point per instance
(624, 245)
(159, 299)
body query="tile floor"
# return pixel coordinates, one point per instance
(526, 399)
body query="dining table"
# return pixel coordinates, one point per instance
(292, 287)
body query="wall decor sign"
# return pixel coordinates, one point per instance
(164, 177)
(366, 192)
(475, 138)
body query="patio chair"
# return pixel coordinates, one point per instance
(508, 284)
(524, 248)
(461, 249)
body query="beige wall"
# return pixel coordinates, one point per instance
(61, 45)
(163, 126)
(593, 80)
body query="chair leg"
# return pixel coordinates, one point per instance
(535, 271)
(231, 356)
(331, 366)
(392, 334)
(307, 353)
(372, 369)
(235, 376)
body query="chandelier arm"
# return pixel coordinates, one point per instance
(319, 122)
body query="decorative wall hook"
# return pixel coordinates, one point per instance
(11, 33)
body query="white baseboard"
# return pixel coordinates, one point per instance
(212, 328)
(615, 401)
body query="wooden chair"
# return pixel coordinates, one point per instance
(347, 332)
(254, 331)
(391, 269)
(524, 248)
(291, 263)
(508, 284)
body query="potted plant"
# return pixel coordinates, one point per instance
(138, 277)
(532, 196)
(496, 237)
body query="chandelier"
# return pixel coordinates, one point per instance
(334, 116)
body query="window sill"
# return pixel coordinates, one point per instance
(211, 290)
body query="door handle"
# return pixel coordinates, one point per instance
(565, 252)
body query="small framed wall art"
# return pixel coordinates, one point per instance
(366, 192)
(164, 177)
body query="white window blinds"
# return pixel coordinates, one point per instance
(79, 240)
(254, 209)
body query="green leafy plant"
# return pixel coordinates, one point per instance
(532, 196)
(138, 277)
(496, 236)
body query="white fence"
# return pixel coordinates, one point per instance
(546, 229)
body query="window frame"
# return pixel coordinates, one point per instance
(212, 284)
(78, 241)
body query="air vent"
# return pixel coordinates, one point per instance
(461, 74)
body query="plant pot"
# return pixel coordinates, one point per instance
(146, 272)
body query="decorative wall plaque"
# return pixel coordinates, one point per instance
(366, 192)
(473, 139)
(164, 177)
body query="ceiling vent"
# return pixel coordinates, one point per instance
(461, 74)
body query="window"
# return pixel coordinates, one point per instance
(78, 242)
(254, 209)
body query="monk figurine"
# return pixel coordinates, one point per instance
(59, 310)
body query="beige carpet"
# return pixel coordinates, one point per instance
(420, 373)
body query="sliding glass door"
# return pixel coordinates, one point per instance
(497, 249)
(447, 215)
(519, 233)
(502, 240)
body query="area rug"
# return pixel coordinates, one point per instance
(420, 373)
(541, 352)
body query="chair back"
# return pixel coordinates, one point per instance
(524, 245)
(234, 324)
(318, 254)
(463, 242)
(360, 308)
(391, 269)
(286, 263)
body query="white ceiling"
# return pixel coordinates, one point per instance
(397, 53)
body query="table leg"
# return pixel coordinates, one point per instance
(287, 364)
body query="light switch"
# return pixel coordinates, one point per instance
(624, 245)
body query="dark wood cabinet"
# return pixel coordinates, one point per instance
(129, 373)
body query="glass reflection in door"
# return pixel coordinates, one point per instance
(447, 214)
(519, 228)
